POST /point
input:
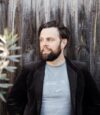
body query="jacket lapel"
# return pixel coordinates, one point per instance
(39, 87)
(72, 75)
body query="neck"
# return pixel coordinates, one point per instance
(60, 60)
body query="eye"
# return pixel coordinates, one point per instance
(50, 39)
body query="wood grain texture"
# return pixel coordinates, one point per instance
(81, 17)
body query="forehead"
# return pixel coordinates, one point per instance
(49, 32)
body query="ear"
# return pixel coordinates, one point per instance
(64, 43)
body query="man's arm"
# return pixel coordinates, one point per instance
(17, 98)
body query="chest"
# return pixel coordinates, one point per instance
(72, 84)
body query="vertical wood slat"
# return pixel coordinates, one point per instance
(80, 16)
(3, 15)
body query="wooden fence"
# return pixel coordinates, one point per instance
(81, 16)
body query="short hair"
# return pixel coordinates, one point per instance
(63, 31)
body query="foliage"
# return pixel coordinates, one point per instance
(8, 47)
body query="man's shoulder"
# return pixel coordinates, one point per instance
(33, 65)
(77, 65)
(28, 69)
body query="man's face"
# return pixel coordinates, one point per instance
(50, 44)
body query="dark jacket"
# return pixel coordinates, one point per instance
(25, 97)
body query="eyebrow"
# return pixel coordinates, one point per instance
(47, 38)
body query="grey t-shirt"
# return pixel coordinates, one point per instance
(56, 99)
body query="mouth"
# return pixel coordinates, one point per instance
(45, 51)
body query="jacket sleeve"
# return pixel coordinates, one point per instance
(17, 98)
(91, 99)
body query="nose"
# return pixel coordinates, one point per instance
(44, 43)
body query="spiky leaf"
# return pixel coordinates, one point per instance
(4, 77)
(11, 68)
(2, 97)
(14, 58)
(5, 85)
(14, 47)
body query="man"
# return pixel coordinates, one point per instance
(55, 85)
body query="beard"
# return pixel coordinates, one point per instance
(50, 56)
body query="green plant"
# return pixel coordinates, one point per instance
(8, 47)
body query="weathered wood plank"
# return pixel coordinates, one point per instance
(82, 17)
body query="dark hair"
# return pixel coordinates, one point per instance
(63, 31)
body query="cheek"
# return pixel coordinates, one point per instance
(40, 46)
(55, 48)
